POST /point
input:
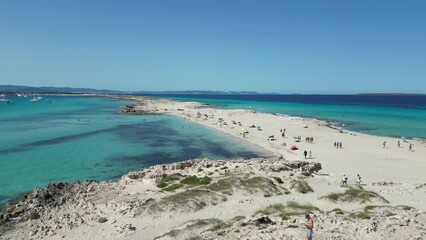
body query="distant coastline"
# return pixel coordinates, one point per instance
(11, 89)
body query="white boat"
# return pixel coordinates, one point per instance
(4, 100)
(2, 95)
(36, 99)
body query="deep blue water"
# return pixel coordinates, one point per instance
(384, 115)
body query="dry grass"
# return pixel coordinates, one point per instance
(355, 194)
(287, 211)
(300, 186)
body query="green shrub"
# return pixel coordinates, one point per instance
(361, 215)
(337, 211)
(162, 184)
(173, 187)
(353, 194)
(195, 181)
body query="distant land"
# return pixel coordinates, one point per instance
(29, 89)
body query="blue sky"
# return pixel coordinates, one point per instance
(267, 46)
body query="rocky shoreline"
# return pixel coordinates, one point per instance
(232, 199)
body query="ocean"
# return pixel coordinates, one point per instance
(85, 138)
(382, 115)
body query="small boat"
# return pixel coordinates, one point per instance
(7, 101)
(36, 99)
(2, 95)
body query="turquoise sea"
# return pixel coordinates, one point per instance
(394, 116)
(78, 138)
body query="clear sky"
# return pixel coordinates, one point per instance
(317, 46)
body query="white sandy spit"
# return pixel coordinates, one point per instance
(243, 199)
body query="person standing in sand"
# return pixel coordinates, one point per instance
(305, 153)
(358, 179)
(344, 180)
(399, 143)
(309, 227)
(384, 144)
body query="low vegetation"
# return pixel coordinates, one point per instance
(173, 187)
(190, 181)
(300, 186)
(287, 211)
(195, 181)
(162, 184)
(191, 226)
(278, 180)
(355, 194)
(188, 200)
(371, 209)
(405, 207)
(337, 211)
(361, 215)
(249, 184)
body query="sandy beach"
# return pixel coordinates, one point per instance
(243, 198)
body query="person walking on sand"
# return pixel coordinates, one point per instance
(340, 145)
(399, 143)
(358, 179)
(344, 180)
(310, 154)
(384, 144)
(309, 227)
(305, 153)
(410, 148)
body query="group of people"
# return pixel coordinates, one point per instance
(282, 131)
(309, 139)
(338, 144)
(305, 153)
(345, 179)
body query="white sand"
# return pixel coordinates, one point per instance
(395, 173)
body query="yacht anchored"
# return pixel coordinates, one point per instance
(36, 99)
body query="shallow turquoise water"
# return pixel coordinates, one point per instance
(77, 138)
(376, 119)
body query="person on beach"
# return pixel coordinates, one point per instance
(305, 153)
(384, 144)
(344, 180)
(309, 227)
(399, 143)
(410, 148)
(335, 144)
(358, 179)
(310, 154)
